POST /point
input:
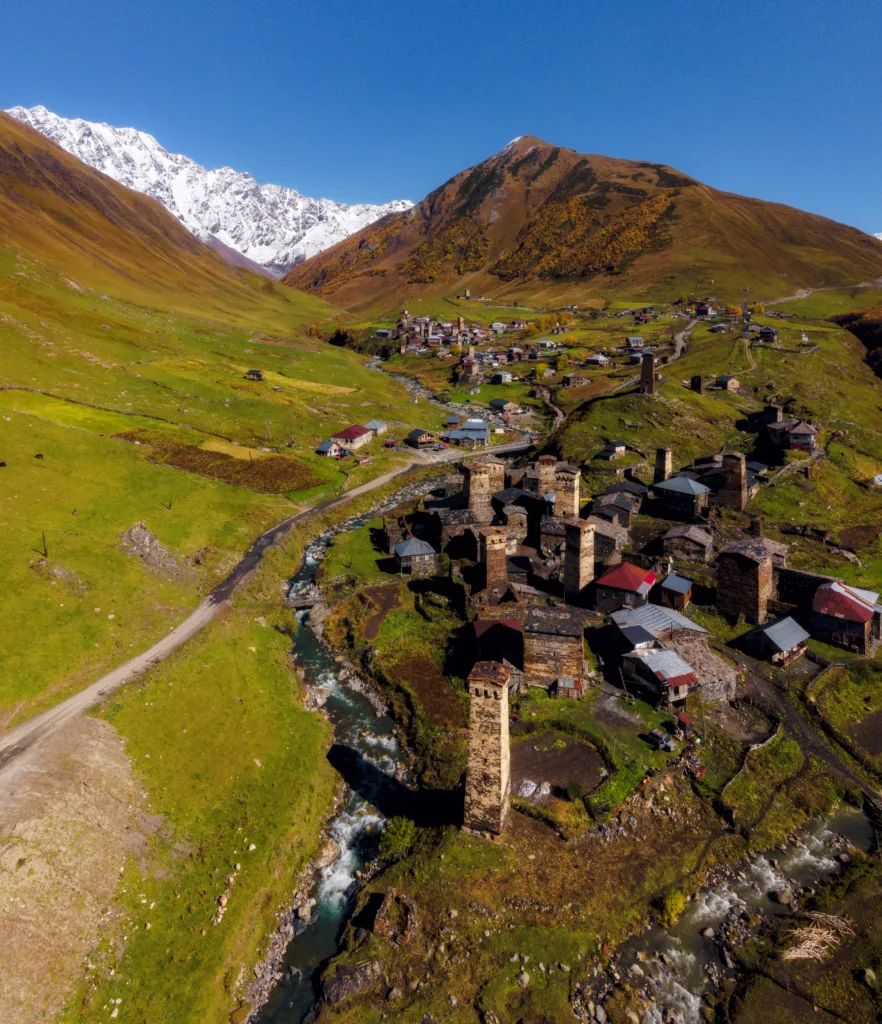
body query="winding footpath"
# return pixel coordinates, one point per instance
(20, 746)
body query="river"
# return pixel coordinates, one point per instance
(363, 727)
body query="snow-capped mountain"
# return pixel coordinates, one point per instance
(269, 225)
(878, 235)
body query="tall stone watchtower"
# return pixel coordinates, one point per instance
(664, 465)
(495, 471)
(546, 466)
(578, 558)
(566, 487)
(733, 493)
(488, 777)
(493, 554)
(477, 491)
(647, 374)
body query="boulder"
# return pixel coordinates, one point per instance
(351, 980)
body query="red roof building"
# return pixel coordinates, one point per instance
(847, 617)
(625, 586)
(353, 437)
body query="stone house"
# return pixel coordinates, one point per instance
(610, 538)
(503, 405)
(847, 617)
(353, 437)
(781, 641)
(663, 673)
(675, 592)
(552, 646)
(377, 427)
(614, 450)
(689, 543)
(574, 380)
(717, 677)
(619, 508)
(625, 586)
(727, 382)
(794, 434)
(415, 557)
(681, 497)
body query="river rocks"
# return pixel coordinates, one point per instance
(351, 980)
(783, 896)
(329, 853)
(708, 933)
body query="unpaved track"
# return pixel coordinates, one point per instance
(17, 747)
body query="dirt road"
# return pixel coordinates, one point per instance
(803, 293)
(18, 743)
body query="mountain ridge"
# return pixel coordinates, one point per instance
(270, 226)
(537, 222)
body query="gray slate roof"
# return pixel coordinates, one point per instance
(785, 634)
(408, 548)
(681, 485)
(678, 584)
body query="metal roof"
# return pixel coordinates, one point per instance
(657, 620)
(637, 635)
(375, 425)
(679, 584)
(667, 665)
(681, 485)
(785, 634)
(413, 547)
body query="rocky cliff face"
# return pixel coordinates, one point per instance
(268, 225)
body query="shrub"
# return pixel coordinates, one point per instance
(397, 839)
(671, 906)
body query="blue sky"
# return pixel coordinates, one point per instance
(369, 101)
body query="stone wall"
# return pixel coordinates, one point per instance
(548, 657)
(798, 588)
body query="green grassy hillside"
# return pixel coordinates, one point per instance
(125, 343)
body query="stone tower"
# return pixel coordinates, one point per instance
(566, 487)
(477, 491)
(745, 583)
(488, 777)
(493, 555)
(733, 493)
(647, 374)
(495, 471)
(578, 559)
(697, 383)
(547, 467)
(664, 465)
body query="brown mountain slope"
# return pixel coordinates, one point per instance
(59, 211)
(540, 222)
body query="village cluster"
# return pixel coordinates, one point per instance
(540, 568)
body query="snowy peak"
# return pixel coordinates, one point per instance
(269, 225)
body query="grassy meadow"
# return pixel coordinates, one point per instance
(113, 413)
